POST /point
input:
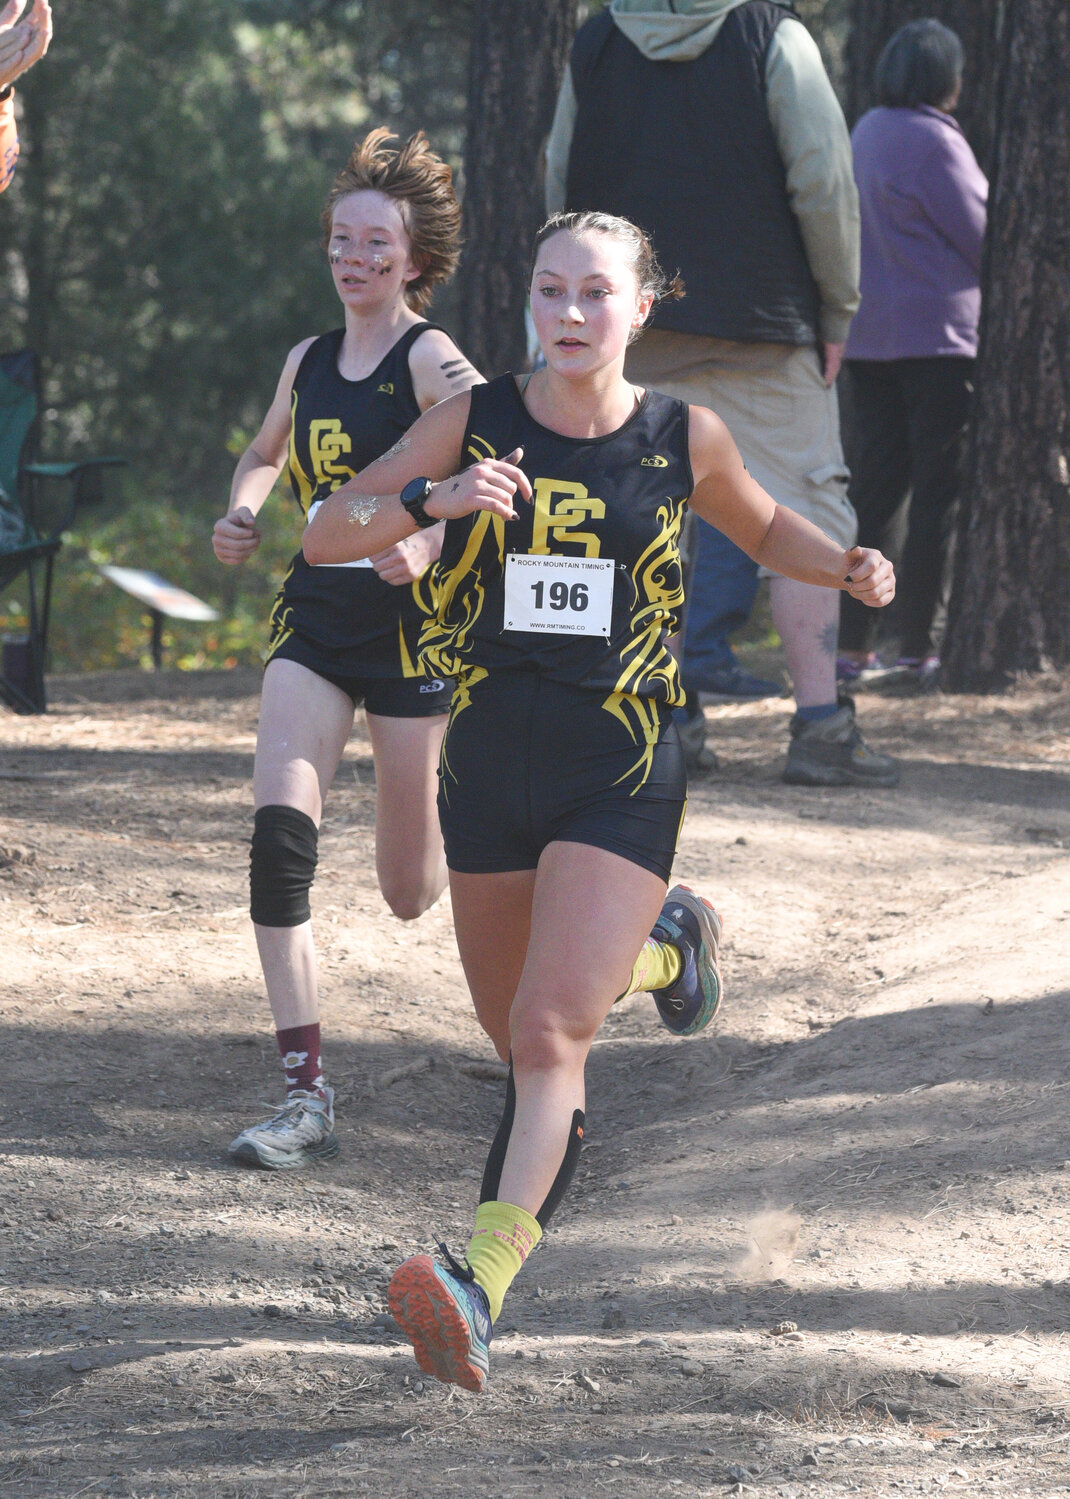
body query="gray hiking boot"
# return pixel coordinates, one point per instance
(697, 754)
(300, 1133)
(833, 753)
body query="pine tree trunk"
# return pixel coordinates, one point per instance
(1010, 602)
(519, 51)
(977, 23)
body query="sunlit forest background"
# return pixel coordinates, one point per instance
(160, 248)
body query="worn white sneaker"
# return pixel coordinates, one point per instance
(301, 1133)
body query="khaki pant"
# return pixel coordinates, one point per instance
(774, 401)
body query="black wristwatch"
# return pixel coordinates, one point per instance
(412, 498)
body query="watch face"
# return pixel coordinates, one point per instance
(415, 491)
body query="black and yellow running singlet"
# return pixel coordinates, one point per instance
(348, 620)
(585, 584)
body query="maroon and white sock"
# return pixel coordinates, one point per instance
(299, 1048)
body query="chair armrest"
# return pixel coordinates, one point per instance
(87, 486)
(66, 470)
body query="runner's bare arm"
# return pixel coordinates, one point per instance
(235, 536)
(439, 369)
(365, 516)
(728, 497)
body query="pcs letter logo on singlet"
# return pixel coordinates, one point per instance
(654, 460)
(326, 442)
(561, 507)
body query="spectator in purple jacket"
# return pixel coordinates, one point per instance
(912, 345)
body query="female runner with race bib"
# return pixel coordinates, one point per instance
(562, 783)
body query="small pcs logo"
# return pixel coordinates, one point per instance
(655, 461)
(436, 686)
(386, 389)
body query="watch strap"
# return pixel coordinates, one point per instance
(412, 498)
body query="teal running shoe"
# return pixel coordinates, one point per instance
(690, 924)
(445, 1316)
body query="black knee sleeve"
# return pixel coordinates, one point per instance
(282, 862)
(492, 1172)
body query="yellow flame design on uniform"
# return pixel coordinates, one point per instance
(468, 678)
(304, 483)
(645, 658)
(659, 592)
(443, 640)
(425, 597)
(279, 619)
(460, 595)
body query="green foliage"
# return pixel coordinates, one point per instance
(95, 624)
(99, 625)
(159, 247)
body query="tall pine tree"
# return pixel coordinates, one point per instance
(519, 51)
(1010, 603)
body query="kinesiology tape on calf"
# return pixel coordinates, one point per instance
(492, 1172)
(282, 863)
(563, 1179)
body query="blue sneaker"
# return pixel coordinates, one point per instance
(732, 684)
(694, 927)
(445, 1316)
(850, 672)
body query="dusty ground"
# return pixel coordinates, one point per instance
(871, 1153)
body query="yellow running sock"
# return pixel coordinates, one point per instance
(656, 967)
(503, 1238)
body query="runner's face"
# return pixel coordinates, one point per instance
(369, 251)
(585, 302)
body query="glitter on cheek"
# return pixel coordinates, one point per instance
(382, 265)
(334, 255)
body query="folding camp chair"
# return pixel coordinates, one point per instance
(23, 548)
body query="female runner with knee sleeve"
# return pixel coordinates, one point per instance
(562, 781)
(342, 635)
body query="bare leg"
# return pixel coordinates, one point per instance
(408, 842)
(566, 985)
(807, 619)
(492, 919)
(304, 724)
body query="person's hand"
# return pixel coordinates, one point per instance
(869, 577)
(24, 43)
(235, 538)
(409, 559)
(489, 485)
(10, 14)
(831, 359)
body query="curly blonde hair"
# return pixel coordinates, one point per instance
(421, 185)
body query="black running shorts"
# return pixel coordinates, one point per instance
(389, 697)
(527, 761)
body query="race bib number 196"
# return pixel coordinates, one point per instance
(560, 595)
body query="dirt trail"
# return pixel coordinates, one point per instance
(871, 1154)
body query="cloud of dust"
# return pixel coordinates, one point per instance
(774, 1238)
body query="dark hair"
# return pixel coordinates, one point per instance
(652, 280)
(421, 185)
(922, 64)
